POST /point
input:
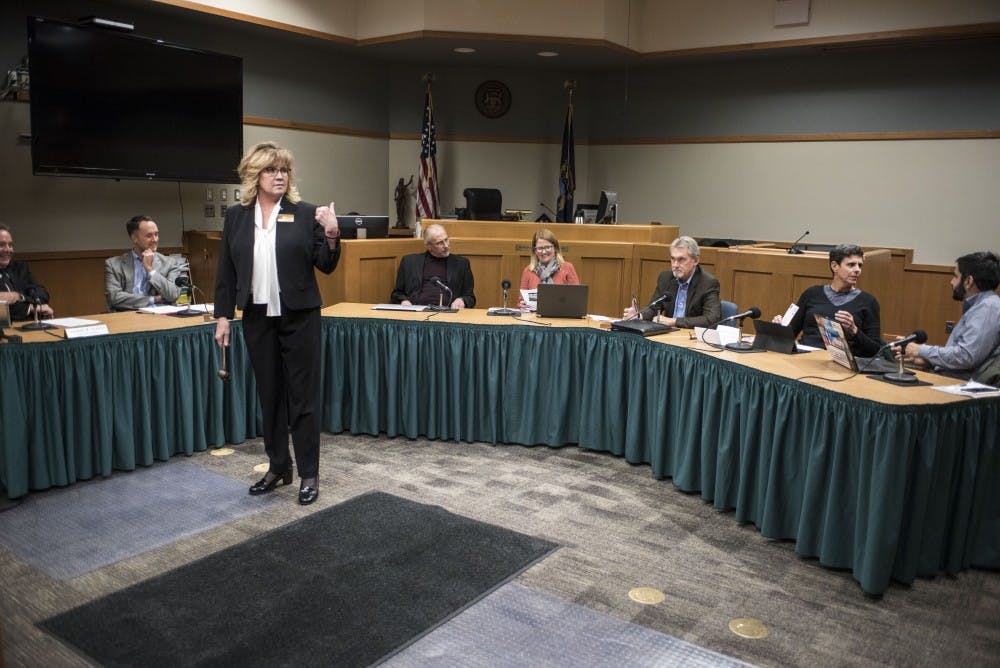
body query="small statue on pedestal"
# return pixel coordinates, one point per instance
(403, 192)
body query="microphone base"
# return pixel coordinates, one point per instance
(514, 313)
(35, 327)
(900, 378)
(740, 347)
(188, 313)
(795, 251)
(442, 309)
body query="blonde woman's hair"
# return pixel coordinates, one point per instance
(546, 235)
(260, 156)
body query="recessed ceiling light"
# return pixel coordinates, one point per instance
(464, 49)
(548, 54)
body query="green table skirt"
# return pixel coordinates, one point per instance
(888, 492)
(75, 409)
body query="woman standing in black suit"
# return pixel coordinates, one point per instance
(270, 245)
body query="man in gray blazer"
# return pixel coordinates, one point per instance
(141, 277)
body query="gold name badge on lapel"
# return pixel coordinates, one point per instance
(286, 217)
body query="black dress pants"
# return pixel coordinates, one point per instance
(285, 355)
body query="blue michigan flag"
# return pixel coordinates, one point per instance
(567, 172)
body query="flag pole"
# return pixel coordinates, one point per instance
(567, 162)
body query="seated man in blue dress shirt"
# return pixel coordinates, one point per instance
(686, 295)
(975, 340)
(141, 277)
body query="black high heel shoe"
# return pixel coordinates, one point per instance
(308, 493)
(263, 486)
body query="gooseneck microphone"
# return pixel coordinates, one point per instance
(740, 345)
(505, 286)
(903, 377)
(794, 250)
(443, 308)
(659, 304)
(187, 288)
(32, 294)
(752, 313)
(918, 336)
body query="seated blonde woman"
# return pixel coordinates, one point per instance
(547, 264)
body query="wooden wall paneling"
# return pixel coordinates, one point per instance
(926, 302)
(478, 229)
(648, 261)
(366, 272)
(202, 249)
(75, 284)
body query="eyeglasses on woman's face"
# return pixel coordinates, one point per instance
(544, 249)
(272, 170)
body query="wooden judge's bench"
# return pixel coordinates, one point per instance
(614, 260)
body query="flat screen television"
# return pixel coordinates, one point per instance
(607, 208)
(112, 104)
(375, 227)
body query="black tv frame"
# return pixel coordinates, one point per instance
(112, 104)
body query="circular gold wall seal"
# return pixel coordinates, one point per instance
(493, 99)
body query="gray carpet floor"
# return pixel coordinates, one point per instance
(618, 528)
(517, 626)
(68, 532)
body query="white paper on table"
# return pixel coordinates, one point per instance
(70, 322)
(728, 334)
(531, 297)
(789, 314)
(162, 310)
(722, 335)
(969, 389)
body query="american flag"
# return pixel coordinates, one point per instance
(427, 187)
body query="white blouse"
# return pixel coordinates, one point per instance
(264, 282)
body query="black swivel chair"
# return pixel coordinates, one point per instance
(482, 204)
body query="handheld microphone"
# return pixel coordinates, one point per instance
(752, 313)
(797, 251)
(918, 336)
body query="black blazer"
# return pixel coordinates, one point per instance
(299, 246)
(703, 307)
(410, 278)
(18, 275)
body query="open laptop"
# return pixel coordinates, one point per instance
(840, 351)
(562, 301)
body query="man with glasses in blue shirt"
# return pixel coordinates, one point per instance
(686, 295)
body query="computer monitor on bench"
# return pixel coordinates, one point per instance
(375, 227)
